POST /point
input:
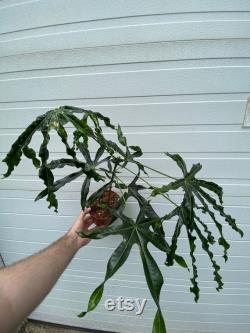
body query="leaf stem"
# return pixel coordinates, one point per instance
(145, 181)
(120, 187)
(161, 173)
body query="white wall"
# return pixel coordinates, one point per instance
(175, 74)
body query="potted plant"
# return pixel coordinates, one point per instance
(199, 197)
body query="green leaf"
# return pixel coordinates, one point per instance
(206, 247)
(99, 154)
(121, 186)
(152, 237)
(94, 300)
(154, 281)
(210, 236)
(180, 261)
(215, 188)
(84, 192)
(45, 173)
(205, 208)
(159, 324)
(137, 151)
(166, 188)
(116, 260)
(31, 154)
(196, 189)
(220, 209)
(64, 137)
(173, 247)
(85, 152)
(180, 162)
(113, 147)
(135, 233)
(62, 162)
(81, 126)
(98, 115)
(121, 137)
(195, 288)
(13, 158)
(60, 183)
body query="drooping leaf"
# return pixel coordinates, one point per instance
(62, 162)
(194, 189)
(59, 183)
(64, 137)
(84, 192)
(98, 115)
(99, 154)
(180, 162)
(116, 260)
(206, 247)
(45, 173)
(137, 151)
(85, 152)
(195, 288)
(121, 137)
(139, 233)
(180, 261)
(31, 154)
(13, 157)
(154, 281)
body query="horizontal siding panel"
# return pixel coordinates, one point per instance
(91, 103)
(27, 187)
(32, 14)
(76, 322)
(231, 187)
(93, 260)
(95, 267)
(170, 309)
(128, 31)
(17, 232)
(161, 81)
(189, 141)
(189, 316)
(145, 114)
(113, 289)
(167, 293)
(40, 207)
(42, 224)
(86, 276)
(132, 53)
(213, 167)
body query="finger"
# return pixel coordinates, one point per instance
(86, 217)
(87, 224)
(86, 211)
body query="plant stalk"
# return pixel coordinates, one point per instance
(145, 181)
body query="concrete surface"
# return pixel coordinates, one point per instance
(40, 328)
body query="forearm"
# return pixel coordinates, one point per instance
(24, 284)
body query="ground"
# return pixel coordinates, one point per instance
(31, 327)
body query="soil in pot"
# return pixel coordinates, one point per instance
(100, 214)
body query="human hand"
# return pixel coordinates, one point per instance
(82, 223)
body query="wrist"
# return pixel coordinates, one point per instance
(71, 239)
(75, 240)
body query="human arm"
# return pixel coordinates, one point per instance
(24, 284)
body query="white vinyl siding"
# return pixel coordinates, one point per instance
(175, 75)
